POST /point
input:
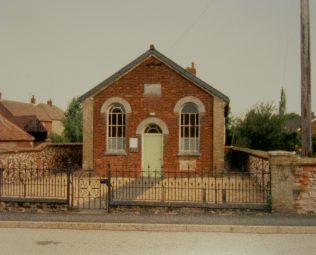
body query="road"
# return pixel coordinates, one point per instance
(54, 241)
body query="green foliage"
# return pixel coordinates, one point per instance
(55, 138)
(73, 121)
(229, 128)
(282, 103)
(263, 128)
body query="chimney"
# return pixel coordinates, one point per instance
(191, 69)
(33, 100)
(50, 102)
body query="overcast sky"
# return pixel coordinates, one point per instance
(247, 49)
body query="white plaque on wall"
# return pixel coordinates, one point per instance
(133, 143)
(152, 89)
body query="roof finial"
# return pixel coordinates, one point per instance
(152, 47)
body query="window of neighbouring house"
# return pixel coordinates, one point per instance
(116, 129)
(189, 129)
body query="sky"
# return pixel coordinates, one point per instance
(247, 49)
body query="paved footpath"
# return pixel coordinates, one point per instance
(196, 222)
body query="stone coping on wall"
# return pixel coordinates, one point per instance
(41, 147)
(257, 153)
(287, 158)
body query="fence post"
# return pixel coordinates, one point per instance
(109, 194)
(69, 185)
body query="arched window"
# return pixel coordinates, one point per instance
(189, 129)
(153, 129)
(116, 128)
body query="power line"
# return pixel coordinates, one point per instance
(190, 26)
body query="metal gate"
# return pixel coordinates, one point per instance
(89, 191)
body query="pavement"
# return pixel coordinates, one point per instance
(163, 221)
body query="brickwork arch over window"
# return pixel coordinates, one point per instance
(190, 99)
(117, 100)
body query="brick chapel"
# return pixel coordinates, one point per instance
(154, 114)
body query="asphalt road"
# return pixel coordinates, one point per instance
(50, 241)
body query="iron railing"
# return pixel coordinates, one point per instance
(194, 188)
(30, 183)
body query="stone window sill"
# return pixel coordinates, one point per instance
(189, 154)
(113, 153)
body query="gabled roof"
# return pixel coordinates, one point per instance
(153, 52)
(11, 132)
(18, 109)
(52, 111)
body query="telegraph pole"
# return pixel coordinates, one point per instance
(305, 81)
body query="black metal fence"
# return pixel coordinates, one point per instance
(30, 183)
(168, 187)
(194, 188)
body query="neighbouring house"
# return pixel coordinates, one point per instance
(13, 137)
(56, 115)
(293, 123)
(154, 114)
(37, 120)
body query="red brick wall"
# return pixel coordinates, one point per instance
(131, 88)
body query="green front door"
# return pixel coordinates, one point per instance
(152, 154)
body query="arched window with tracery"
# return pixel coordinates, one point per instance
(189, 129)
(116, 128)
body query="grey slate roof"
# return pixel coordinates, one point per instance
(153, 52)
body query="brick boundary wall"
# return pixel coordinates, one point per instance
(293, 183)
(49, 155)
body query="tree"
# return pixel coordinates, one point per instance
(282, 103)
(228, 128)
(55, 138)
(73, 121)
(264, 128)
(261, 128)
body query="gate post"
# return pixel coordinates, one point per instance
(69, 185)
(282, 179)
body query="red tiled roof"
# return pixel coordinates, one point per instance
(25, 109)
(11, 132)
(53, 111)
